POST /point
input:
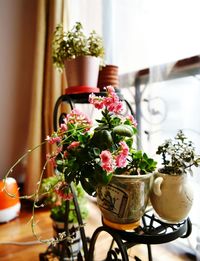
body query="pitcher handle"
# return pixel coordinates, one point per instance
(157, 186)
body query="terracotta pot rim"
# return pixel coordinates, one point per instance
(110, 65)
(81, 89)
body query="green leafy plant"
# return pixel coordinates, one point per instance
(92, 155)
(89, 154)
(178, 155)
(74, 43)
(52, 198)
(139, 163)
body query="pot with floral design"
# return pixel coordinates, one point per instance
(74, 242)
(124, 200)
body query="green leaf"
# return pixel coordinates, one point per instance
(123, 130)
(88, 187)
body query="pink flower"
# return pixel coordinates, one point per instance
(105, 156)
(78, 118)
(73, 145)
(111, 102)
(65, 154)
(115, 107)
(53, 139)
(51, 159)
(98, 102)
(123, 154)
(106, 160)
(110, 90)
(61, 190)
(59, 149)
(124, 148)
(132, 120)
(63, 127)
(121, 161)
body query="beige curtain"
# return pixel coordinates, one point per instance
(47, 85)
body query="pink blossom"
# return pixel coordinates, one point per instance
(110, 90)
(59, 149)
(98, 102)
(51, 159)
(123, 154)
(112, 102)
(62, 191)
(65, 154)
(105, 156)
(63, 127)
(132, 120)
(124, 148)
(121, 160)
(115, 107)
(53, 139)
(106, 160)
(78, 118)
(73, 145)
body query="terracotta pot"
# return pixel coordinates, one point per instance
(82, 73)
(124, 200)
(9, 206)
(108, 75)
(171, 197)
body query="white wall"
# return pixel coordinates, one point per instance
(17, 24)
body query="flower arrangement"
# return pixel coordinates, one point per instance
(178, 155)
(75, 43)
(90, 155)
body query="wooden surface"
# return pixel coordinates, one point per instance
(19, 230)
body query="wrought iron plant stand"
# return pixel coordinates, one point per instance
(151, 230)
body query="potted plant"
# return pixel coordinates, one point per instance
(101, 154)
(80, 55)
(108, 75)
(172, 193)
(124, 200)
(92, 155)
(52, 194)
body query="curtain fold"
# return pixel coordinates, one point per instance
(47, 85)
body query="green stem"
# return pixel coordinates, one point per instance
(33, 221)
(11, 170)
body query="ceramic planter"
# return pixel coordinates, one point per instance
(171, 197)
(75, 245)
(82, 74)
(124, 200)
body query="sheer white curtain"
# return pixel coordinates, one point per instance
(146, 33)
(143, 33)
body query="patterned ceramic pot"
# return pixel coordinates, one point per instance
(124, 200)
(75, 245)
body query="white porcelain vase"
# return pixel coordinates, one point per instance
(171, 197)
